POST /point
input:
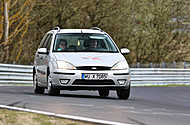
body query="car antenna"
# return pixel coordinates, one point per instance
(56, 28)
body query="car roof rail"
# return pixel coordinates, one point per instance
(96, 28)
(56, 28)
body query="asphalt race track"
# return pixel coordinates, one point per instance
(146, 106)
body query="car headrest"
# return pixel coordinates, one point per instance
(86, 43)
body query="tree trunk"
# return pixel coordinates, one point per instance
(5, 21)
(5, 54)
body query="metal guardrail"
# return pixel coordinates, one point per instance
(159, 76)
(22, 74)
(15, 74)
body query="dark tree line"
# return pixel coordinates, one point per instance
(154, 30)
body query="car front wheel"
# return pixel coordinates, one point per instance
(37, 89)
(123, 93)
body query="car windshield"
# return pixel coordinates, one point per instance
(83, 42)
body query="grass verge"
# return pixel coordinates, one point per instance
(10, 117)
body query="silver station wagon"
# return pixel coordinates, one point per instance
(80, 59)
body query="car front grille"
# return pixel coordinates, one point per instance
(93, 82)
(93, 68)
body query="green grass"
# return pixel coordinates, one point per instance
(10, 117)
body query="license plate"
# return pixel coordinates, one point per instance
(94, 76)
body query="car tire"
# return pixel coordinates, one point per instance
(123, 93)
(51, 90)
(103, 92)
(37, 89)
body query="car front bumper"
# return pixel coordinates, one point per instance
(72, 79)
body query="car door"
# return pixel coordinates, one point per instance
(45, 59)
(39, 61)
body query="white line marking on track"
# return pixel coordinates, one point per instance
(81, 105)
(146, 112)
(170, 114)
(122, 107)
(66, 116)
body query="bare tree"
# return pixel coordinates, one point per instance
(5, 35)
(5, 21)
(18, 22)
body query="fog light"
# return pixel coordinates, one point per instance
(64, 81)
(121, 81)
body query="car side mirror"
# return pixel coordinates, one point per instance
(42, 51)
(125, 51)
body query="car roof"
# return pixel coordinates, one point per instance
(79, 31)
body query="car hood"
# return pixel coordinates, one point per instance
(90, 59)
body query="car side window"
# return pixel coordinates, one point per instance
(48, 42)
(43, 41)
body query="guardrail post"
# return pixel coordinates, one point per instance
(163, 65)
(184, 65)
(174, 64)
(138, 65)
(150, 65)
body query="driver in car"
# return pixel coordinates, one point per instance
(93, 43)
(62, 45)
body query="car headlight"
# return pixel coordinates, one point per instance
(120, 65)
(65, 65)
